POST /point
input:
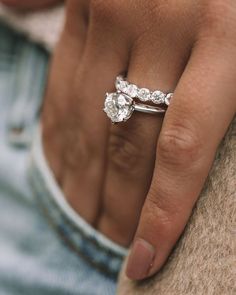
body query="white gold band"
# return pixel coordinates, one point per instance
(148, 109)
(119, 107)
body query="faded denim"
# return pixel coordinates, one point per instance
(45, 247)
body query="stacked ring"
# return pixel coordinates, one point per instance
(120, 105)
(143, 94)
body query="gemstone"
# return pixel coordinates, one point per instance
(144, 94)
(118, 107)
(131, 90)
(121, 84)
(158, 97)
(168, 98)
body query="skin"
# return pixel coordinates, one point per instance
(138, 181)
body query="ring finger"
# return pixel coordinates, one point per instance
(132, 145)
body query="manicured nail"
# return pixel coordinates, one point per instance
(140, 260)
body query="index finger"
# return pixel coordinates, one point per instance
(198, 117)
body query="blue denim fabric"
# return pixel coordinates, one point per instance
(45, 247)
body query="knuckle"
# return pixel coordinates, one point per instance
(161, 196)
(105, 11)
(75, 151)
(99, 7)
(81, 150)
(124, 155)
(146, 14)
(218, 19)
(163, 220)
(179, 146)
(161, 209)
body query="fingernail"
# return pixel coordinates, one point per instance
(140, 260)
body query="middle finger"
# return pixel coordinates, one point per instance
(104, 56)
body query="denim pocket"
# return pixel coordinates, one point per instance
(82, 238)
(35, 260)
(23, 73)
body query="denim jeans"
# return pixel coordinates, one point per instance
(45, 246)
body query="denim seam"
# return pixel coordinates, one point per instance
(73, 227)
(67, 222)
(69, 243)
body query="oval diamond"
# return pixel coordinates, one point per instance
(118, 107)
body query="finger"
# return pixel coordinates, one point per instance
(132, 145)
(104, 57)
(57, 104)
(200, 112)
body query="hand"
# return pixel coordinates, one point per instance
(110, 173)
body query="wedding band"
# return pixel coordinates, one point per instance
(143, 94)
(119, 107)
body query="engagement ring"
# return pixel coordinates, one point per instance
(119, 107)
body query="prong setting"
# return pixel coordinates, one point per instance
(118, 107)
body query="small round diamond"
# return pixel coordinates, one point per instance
(131, 90)
(168, 98)
(121, 84)
(144, 94)
(118, 107)
(158, 97)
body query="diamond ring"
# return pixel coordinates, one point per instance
(143, 94)
(119, 107)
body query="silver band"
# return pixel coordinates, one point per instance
(119, 107)
(143, 94)
(147, 109)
